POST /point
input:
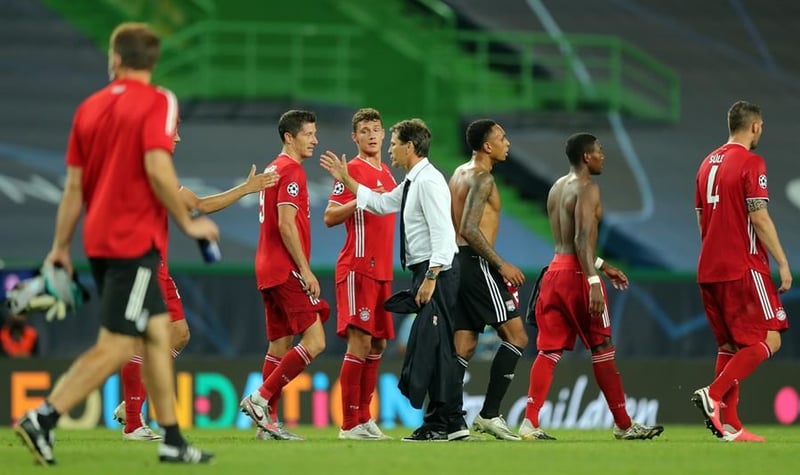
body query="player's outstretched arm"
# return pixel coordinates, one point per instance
(213, 203)
(164, 182)
(767, 234)
(480, 187)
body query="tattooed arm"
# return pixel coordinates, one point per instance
(768, 235)
(480, 188)
(755, 205)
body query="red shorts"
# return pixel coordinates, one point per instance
(359, 303)
(562, 310)
(170, 292)
(289, 311)
(742, 311)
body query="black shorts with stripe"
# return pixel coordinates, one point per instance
(483, 296)
(129, 292)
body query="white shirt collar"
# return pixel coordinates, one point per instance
(417, 168)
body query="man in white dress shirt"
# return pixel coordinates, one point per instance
(427, 247)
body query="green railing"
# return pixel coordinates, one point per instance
(474, 72)
(215, 59)
(596, 72)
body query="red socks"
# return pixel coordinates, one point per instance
(133, 393)
(350, 378)
(730, 400)
(369, 379)
(540, 380)
(605, 372)
(290, 366)
(270, 363)
(740, 366)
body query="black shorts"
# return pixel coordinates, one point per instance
(129, 292)
(483, 296)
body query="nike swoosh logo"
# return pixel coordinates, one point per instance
(254, 412)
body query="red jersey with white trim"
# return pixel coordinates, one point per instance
(111, 132)
(729, 177)
(274, 264)
(369, 246)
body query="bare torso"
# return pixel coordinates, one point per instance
(468, 177)
(561, 201)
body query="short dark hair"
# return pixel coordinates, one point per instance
(292, 121)
(416, 132)
(137, 46)
(366, 114)
(478, 133)
(741, 115)
(577, 145)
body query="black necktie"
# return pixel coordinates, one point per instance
(406, 184)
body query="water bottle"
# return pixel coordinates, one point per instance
(209, 250)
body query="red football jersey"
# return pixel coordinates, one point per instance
(111, 132)
(273, 262)
(369, 246)
(727, 178)
(163, 272)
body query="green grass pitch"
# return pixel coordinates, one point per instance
(680, 450)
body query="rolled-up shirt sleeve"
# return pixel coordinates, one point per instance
(435, 200)
(379, 203)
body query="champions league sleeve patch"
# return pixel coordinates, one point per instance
(293, 189)
(762, 181)
(338, 188)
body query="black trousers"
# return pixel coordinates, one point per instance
(444, 410)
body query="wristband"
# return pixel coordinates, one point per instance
(598, 263)
(593, 279)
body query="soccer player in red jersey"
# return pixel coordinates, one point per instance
(572, 299)
(129, 411)
(363, 278)
(119, 167)
(289, 289)
(740, 299)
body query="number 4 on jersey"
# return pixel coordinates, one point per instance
(712, 192)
